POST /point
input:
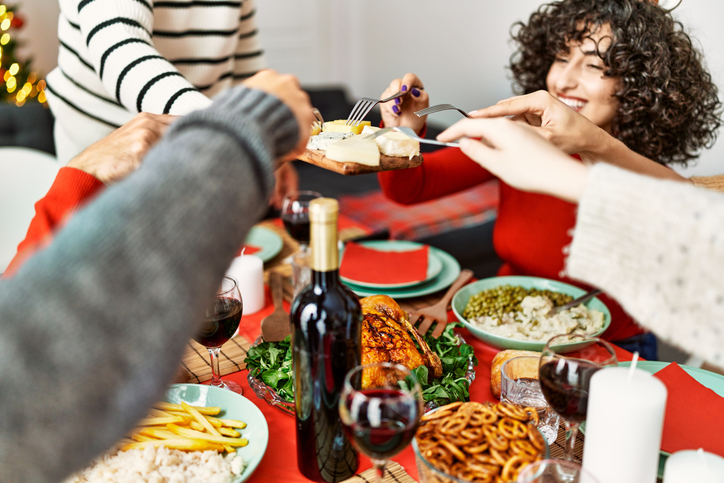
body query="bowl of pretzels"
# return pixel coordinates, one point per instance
(477, 442)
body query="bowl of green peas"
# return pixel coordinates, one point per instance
(491, 310)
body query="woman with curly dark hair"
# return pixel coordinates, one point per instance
(625, 65)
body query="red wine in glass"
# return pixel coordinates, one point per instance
(382, 438)
(565, 386)
(222, 320)
(297, 225)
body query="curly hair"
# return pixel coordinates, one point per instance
(669, 107)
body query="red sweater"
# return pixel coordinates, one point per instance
(71, 189)
(530, 231)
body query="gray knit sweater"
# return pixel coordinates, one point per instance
(93, 327)
(658, 248)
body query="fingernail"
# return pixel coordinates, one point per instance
(397, 101)
(415, 92)
(395, 109)
(404, 89)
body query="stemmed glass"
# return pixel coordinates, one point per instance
(220, 323)
(554, 471)
(295, 215)
(565, 379)
(381, 417)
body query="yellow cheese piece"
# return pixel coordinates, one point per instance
(339, 126)
(356, 150)
(316, 129)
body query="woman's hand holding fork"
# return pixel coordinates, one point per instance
(401, 112)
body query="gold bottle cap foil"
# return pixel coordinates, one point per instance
(323, 213)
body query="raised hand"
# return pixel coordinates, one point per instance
(401, 111)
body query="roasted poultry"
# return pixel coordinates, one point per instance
(387, 337)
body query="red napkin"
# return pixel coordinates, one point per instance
(363, 264)
(693, 413)
(248, 250)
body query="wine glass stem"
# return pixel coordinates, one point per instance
(379, 469)
(215, 373)
(571, 433)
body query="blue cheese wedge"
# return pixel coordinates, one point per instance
(324, 139)
(394, 143)
(355, 149)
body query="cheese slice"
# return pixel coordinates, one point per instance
(394, 143)
(356, 150)
(340, 126)
(322, 140)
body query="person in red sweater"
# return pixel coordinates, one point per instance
(628, 67)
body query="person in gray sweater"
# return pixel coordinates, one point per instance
(656, 245)
(93, 326)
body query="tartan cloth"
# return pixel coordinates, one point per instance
(467, 208)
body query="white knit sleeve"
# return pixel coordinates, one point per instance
(249, 56)
(118, 35)
(658, 248)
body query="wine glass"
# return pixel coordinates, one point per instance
(380, 408)
(565, 379)
(295, 215)
(220, 323)
(555, 471)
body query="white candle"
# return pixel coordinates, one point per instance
(624, 426)
(694, 466)
(248, 271)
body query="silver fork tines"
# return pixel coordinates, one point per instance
(365, 105)
(438, 108)
(409, 132)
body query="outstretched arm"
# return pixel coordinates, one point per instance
(94, 325)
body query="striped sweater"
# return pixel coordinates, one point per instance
(121, 57)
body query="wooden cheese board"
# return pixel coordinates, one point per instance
(387, 163)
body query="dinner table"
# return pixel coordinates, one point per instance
(279, 462)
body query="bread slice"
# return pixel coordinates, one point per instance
(500, 358)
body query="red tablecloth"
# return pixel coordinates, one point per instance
(280, 460)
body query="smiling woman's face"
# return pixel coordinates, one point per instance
(576, 78)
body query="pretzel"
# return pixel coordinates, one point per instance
(480, 442)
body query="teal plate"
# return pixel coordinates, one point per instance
(448, 274)
(269, 242)
(710, 380)
(434, 264)
(233, 406)
(460, 300)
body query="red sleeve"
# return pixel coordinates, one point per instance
(71, 189)
(443, 172)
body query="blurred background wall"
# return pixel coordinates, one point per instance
(459, 48)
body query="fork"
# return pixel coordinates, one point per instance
(438, 108)
(438, 312)
(409, 132)
(365, 105)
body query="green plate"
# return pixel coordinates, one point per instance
(460, 300)
(269, 242)
(448, 274)
(233, 406)
(710, 380)
(434, 264)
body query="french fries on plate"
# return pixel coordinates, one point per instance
(187, 428)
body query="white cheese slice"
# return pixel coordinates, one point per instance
(356, 150)
(322, 140)
(394, 143)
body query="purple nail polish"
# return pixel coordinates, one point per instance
(397, 101)
(395, 109)
(415, 92)
(404, 89)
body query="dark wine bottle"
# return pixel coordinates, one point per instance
(327, 320)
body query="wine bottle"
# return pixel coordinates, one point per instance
(327, 320)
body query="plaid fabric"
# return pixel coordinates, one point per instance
(467, 208)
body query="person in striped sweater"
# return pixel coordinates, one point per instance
(123, 57)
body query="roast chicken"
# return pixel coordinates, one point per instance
(387, 336)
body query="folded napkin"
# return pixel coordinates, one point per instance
(248, 250)
(693, 413)
(368, 265)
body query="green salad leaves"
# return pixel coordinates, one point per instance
(271, 362)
